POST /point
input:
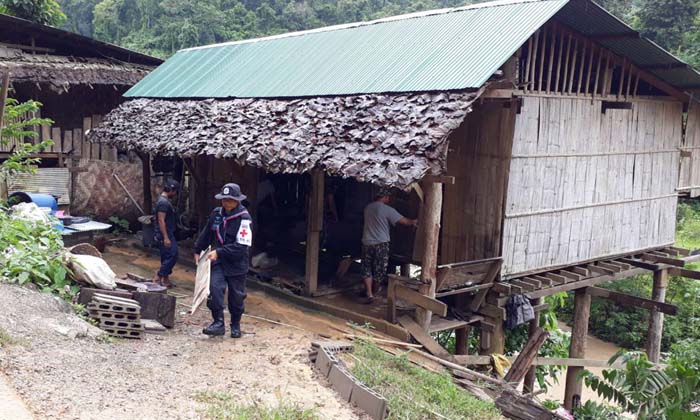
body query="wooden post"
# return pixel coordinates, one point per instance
(3, 97)
(461, 334)
(314, 224)
(577, 349)
(656, 319)
(522, 364)
(529, 381)
(147, 195)
(432, 211)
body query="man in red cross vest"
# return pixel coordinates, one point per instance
(229, 231)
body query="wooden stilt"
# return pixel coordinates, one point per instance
(577, 349)
(431, 214)
(461, 334)
(529, 381)
(147, 194)
(656, 319)
(4, 87)
(314, 224)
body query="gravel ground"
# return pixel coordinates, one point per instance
(62, 368)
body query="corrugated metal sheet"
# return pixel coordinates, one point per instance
(52, 181)
(449, 49)
(445, 50)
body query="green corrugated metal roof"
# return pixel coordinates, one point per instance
(448, 49)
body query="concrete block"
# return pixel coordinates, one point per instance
(337, 346)
(129, 325)
(342, 381)
(369, 401)
(324, 361)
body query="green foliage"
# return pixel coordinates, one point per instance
(46, 12)
(644, 390)
(33, 253)
(14, 126)
(225, 406)
(413, 392)
(5, 339)
(119, 225)
(666, 21)
(594, 411)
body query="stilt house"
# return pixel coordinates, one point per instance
(77, 79)
(542, 142)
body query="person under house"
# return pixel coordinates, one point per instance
(376, 238)
(164, 234)
(229, 233)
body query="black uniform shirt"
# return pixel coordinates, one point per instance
(225, 234)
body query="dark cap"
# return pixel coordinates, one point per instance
(231, 191)
(171, 185)
(382, 192)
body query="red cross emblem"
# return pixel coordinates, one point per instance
(244, 233)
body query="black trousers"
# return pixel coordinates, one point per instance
(236, 293)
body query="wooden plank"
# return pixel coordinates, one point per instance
(608, 266)
(56, 137)
(523, 285)
(443, 324)
(489, 278)
(424, 338)
(463, 290)
(95, 147)
(314, 225)
(637, 263)
(473, 360)
(77, 142)
(418, 299)
(580, 270)
(629, 300)
(584, 283)
(547, 280)
(493, 311)
(572, 276)
(664, 260)
(522, 363)
(501, 287)
(682, 272)
(557, 278)
(600, 270)
(534, 282)
(67, 141)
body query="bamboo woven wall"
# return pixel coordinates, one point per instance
(586, 184)
(473, 207)
(690, 156)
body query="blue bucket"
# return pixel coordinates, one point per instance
(41, 200)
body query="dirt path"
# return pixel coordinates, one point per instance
(61, 372)
(11, 406)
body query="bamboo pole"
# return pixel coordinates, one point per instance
(574, 59)
(527, 65)
(559, 60)
(566, 65)
(542, 55)
(5, 87)
(552, 47)
(583, 68)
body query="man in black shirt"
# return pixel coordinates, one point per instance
(229, 233)
(165, 232)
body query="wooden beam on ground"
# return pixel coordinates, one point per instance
(577, 348)
(629, 300)
(424, 338)
(314, 225)
(656, 319)
(431, 215)
(522, 363)
(420, 300)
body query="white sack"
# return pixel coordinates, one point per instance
(93, 271)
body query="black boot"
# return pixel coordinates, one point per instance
(216, 328)
(236, 326)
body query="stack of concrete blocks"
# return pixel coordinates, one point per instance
(345, 384)
(117, 316)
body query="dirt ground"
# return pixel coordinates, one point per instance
(62, 370)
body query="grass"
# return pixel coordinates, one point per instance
(6, 339)
(415, 393)
(225, 406)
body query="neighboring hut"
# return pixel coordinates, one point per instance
(556, 130)
(77, 79)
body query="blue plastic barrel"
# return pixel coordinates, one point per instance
(41, 200)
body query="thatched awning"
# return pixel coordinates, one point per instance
(64, 71)
(391, 140)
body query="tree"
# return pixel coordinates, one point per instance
(46, 12)
(666, 21)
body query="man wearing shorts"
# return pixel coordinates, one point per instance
(379, 217)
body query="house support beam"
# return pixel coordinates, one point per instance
(656, 319)
(529, 381)
(147, 194)
(4, 88)
(461, 334)
(431, 214)
(314, 224)
(577, 349)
